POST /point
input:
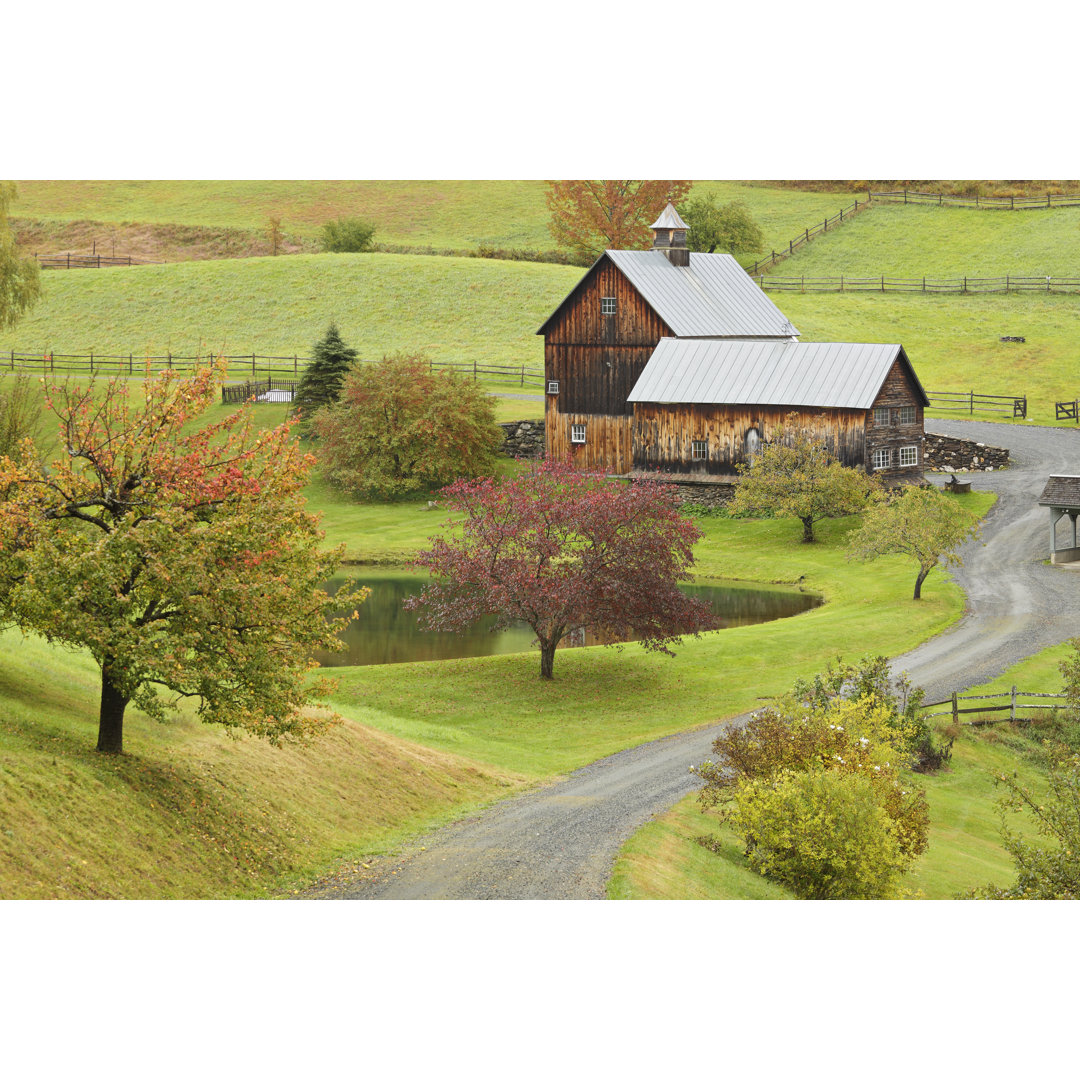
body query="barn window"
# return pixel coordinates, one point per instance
(881, 415)
(553, 386)
(909, 455)
(607, 305)
(699, 449)
(907, 414)
(880, 459)
(577, 433)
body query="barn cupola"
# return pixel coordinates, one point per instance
(669, 236)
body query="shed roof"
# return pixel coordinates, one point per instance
(823, 374)
(1061, 491)
(712, 297)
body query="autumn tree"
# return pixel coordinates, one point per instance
(182, 560)
(729, 227)
(796, 476)
(561, 551)
(274, 234)
(401, 426)
(20, 278)
(321, 382)
(590, 216)
(922, 523)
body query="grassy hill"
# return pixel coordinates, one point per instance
(913, 241)
(451, 309)
(458, 214)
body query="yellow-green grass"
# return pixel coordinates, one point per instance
(459, 214)
(496, 710)
(663, 861)
(187, 812)
(912, 241)
(458, 310)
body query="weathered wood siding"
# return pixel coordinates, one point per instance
(607, 440)
(897, 391)
(598, 358)
(663, 434)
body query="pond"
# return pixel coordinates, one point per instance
(385, 633)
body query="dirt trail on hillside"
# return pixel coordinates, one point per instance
(560, 842)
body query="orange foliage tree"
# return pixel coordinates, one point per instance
(180, 559)
(590, 216)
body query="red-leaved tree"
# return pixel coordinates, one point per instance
(563, 550)
(179, 559)
(589, 216)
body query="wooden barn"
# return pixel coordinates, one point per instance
(676, 362)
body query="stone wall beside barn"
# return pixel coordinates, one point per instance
(941, 453)
(523, 438)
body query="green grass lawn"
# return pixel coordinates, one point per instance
(663, 861)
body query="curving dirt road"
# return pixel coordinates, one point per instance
(560, 842)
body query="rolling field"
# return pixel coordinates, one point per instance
(451, 309)
(442, 213)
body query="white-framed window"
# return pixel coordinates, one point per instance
(907, 414)
(880, 459)
(553, 386)
(881, 415)
(607, 305)
(577, 433)
(699, 449)
(909, 455)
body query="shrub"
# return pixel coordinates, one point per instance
(348, 234)
(823, 834)
(20, 413)
(400, 427)
(1051, 872)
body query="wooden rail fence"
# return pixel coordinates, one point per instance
(981, 202)
(882, 283)
(269, 389)
(808, 234)
(73, 262)
(1011, 706)
(970, 402)
(48, 361)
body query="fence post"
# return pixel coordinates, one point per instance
(1012, 709)
(474, 371)
(522, 374)
(924, 283)
(883, 276)
(965, 283)
(841, 282)
(168, 358)
(12, 359)
(1006, 284)
(1012, 202)
(253, 365)
(294, 367)
(905, 196)
(955, 710)
(131, 364)
(971, 403)
(91, 361)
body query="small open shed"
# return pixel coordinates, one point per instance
(1062, 495)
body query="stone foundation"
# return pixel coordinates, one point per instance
(523, 438)
(944, 454)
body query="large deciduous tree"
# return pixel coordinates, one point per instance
(400, 427)
(321, 382)
(796, 476)
(180, 559)
(589, 216)
(20, 278)
(729, 227)
(922, 523)
(562, 551)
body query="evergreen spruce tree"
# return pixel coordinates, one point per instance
(321, 382)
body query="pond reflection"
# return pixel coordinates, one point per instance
(385, 633)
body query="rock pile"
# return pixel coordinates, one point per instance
(944, 454)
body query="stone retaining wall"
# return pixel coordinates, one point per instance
(944, 454)
(523, 438)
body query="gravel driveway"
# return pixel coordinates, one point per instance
(560, 842)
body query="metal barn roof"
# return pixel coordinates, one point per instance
(669, 219)
(712, 297)
(817, 374)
